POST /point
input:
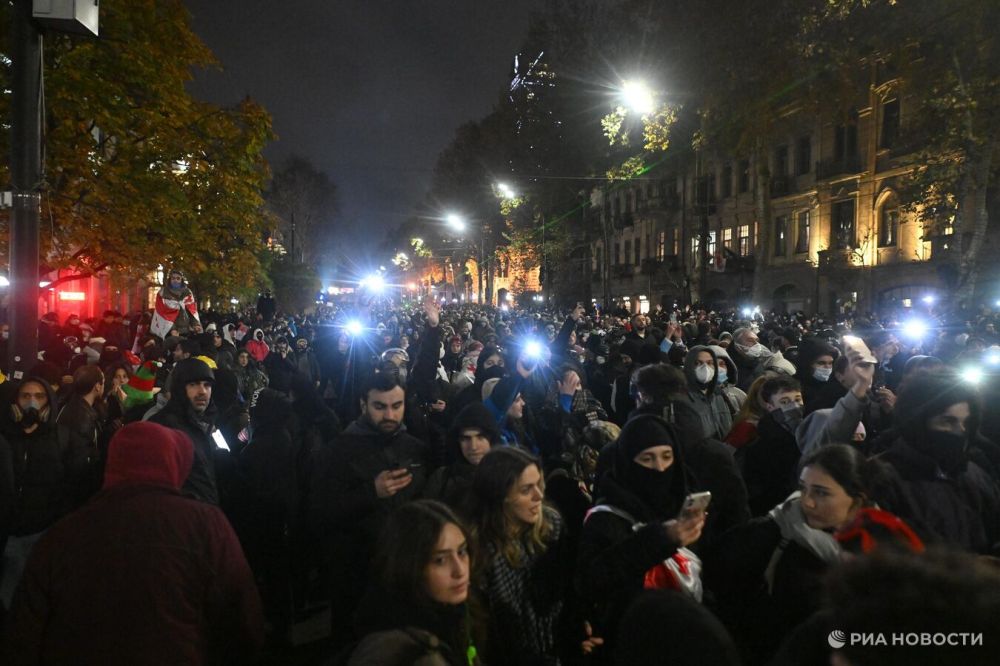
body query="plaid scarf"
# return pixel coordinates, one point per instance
(521, 604)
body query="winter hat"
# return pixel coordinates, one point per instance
(504, 392)
(645, 431)
(632, 348)
(478, 416)
(190, 370)
(146, 453)
(210, 362)
(140, 388)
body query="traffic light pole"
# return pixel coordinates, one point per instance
(26, 176)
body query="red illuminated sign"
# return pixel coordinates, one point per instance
(72, 296)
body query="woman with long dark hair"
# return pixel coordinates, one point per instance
(415, 611)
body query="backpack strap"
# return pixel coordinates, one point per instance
(624, 515)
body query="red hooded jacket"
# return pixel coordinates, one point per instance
(140, 574)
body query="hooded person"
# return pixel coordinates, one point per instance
(473, 433)
(38, 476)
(180, 593)
(176, 308)
(938, 487)
(257, 347)
(635, 536)
(814, 367)
(621, 369)
(489, 365)
(727, 379)
(701, 369)
(191, 410)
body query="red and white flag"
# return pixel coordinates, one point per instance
(166, 313)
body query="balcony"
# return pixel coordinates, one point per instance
(836, 258)
(838, 166)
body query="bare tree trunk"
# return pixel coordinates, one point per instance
(762, 207)
(974, 222)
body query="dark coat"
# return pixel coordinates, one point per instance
(344, 509)
(769, 466)
(138, 575)
(708, 461)
(178, 414)
(401, 633)
(613, 558)
(735, 570)
(41, 475)
(452, 485)
(962, 510)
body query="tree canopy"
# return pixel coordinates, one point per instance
(138, 172)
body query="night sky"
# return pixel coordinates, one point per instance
(370, 91)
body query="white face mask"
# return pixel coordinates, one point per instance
(703, 374)
(822, 374)
(756, 351)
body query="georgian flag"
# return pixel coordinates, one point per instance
(166, 313)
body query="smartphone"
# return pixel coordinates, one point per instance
(695, 503)
(414, 465)
(219, 440)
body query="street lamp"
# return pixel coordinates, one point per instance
(638, 97)
(506, 191)
(455, 222)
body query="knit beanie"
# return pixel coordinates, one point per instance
(476, 416)
(139, 389)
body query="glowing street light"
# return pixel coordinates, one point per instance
(928, 299)
(506, 191)
(455, 222)
(972, 375)
(915, 329)
(374, 283)
(638, 97)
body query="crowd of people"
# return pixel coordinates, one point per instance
(463, 484)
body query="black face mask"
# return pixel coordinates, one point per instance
(789, 419)
(30, 417)
(946, 449)
(653, 488)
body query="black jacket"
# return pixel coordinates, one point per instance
(769, 464)
(761, 618)
(344, 509)
(40, 478)
(962, 510)
(708, 461)
(613, 558)
(178, 414)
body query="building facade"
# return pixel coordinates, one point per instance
(837, 238)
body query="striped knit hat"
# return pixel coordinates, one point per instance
(139, 389)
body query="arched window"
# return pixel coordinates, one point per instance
(888, 222)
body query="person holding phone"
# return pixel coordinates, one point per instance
(372, 469)
(637, 525)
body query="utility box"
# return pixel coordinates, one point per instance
(78, 16)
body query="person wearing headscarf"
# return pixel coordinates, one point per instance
(631, 538)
